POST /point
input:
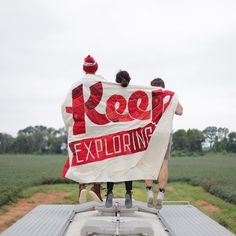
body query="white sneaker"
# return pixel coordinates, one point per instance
(160, 197)
(150, 198)
(83, 196)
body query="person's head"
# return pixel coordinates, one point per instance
(90, 66)
(123, 78)
(158, 82)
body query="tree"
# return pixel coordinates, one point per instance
(195, 140)
(22, 144)
(40, 139)
(222, 133)
(231, 146)
(210, 134)
(180, 140)
(32, 140)
(57, 141)
(221, 140)
(6, 142)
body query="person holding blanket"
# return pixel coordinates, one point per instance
(163, 175)
(123, 78)
(90, 67)
(115, 133)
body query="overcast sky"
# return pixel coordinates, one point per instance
(190, 44)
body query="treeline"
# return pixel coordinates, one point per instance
(40, 140)
(37, 139)
(211, 139)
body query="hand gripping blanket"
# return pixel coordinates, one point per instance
(115, 133)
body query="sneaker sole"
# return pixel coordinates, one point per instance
(108, 205)
(94, 196)
(128, 206)
(109, 201)
(83, 196)
(150, 202)
(158, 204)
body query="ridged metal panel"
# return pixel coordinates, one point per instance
(179, 220)
(186, 220)
(44, 220)
(87, 206)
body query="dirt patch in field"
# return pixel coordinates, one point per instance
(207, 206)
(23, 206)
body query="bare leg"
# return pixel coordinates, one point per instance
(163, 175)
(148, 182)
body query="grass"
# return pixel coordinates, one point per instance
(215, 173)
(216, 208)
(20, 171)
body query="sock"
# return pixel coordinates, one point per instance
(148, 187)
(162, 190)
(109, 191)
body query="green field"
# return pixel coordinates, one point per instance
(23, 175)
(20, 171)
(214, 173)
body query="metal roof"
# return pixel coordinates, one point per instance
(185, 220)
(43, 220)
(177, 220)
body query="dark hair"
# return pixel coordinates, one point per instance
(123, 78)
(158, 82)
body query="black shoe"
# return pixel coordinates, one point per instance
(109, 200)
(128, 200)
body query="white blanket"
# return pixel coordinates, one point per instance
(115, 133)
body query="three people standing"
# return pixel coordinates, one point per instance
(90, 67)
